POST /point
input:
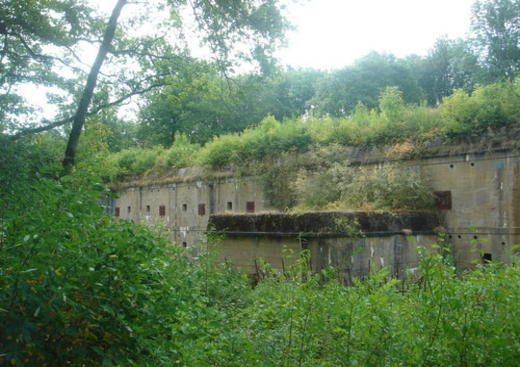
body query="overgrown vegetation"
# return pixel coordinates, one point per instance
(304, 162)
(460, 116)
(436, 320)
(78, 288)
(323, 178)
(335, 185)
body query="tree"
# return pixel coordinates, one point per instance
(293, 89)
(198, 102)
(226, 26)
(86, 96)
(37, 38)
(201, 103)
(340, 92)
(450, 65)
(496, 27)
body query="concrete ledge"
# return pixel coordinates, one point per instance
(325, 224)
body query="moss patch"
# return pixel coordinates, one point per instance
(350, 223)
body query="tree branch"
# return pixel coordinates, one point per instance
(35, 55)
(125, 97)
(135, 52)
(55, 124)
(86, 97)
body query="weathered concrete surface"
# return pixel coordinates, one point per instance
(483, 217)
(484, 186)
(248, 253)
(334, 223)
(356, 257)
(183, 199)
(352, 242)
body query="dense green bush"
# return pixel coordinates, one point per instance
(221, 150)
(270, 137)
(180, 154)
(386, 187)
(78, 288)
(460, 116)
(435, 319)
(327, 181)
(135, 161)
(490, 106)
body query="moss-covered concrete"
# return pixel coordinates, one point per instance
(483, 180)
(351, 223)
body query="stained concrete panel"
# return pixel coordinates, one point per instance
(485, 189)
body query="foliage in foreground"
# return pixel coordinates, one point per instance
(80, 289)
(437, 319)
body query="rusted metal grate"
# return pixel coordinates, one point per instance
(202, 209)
(162, 210)
(443, 200)
(250, 207)
(117, 212)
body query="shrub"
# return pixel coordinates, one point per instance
(136, 161)
(391, 104)
(318, 181)
(276, 175)
(146, 160)
(435, 319)
(79, 288)
(318, 191)
(180, 154)
(335, 184)
(490, 106)
(220, 151)
(125, 159)
(270, 137)
(386, 187)
(333, 131)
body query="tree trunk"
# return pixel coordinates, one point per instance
(86, 97)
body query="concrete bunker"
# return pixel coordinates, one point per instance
(480, 200)
(352, 242)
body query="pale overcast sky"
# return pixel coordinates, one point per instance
(333, 33)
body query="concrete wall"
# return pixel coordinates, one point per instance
(356, 257)
(485, 212)
(377, 240)
(352, 257)
(183, 221)
(484, 216)
(247, 253)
